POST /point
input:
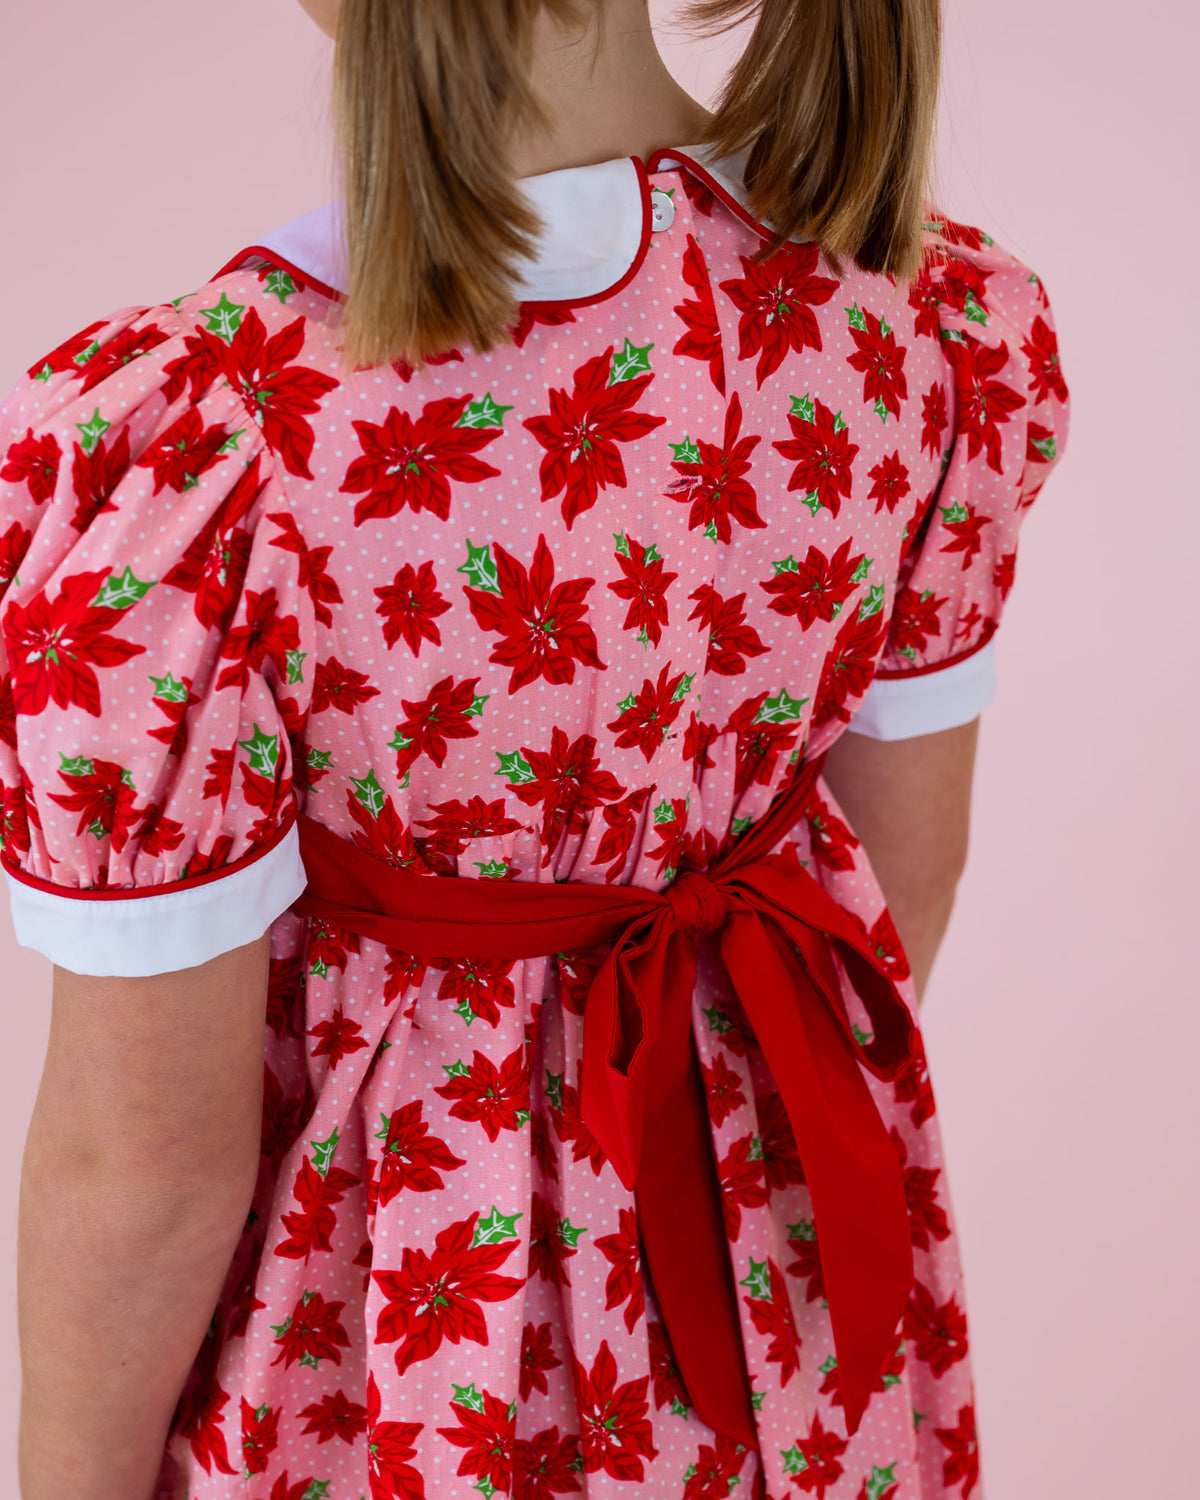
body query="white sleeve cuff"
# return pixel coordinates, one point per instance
(900, 708)
(146, 934)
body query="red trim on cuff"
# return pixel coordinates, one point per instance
(130, 893)
(892, 673)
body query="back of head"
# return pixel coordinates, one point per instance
(833, 103)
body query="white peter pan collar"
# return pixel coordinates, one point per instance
(595, 222)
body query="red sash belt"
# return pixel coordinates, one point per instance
(642, 1093)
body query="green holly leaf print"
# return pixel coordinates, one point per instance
(263, 751)
(295, 671)
(622, 546)
(664, 812)
(89, 353)
(740, 825)
(786, 565)
(804, 1230)
(515, 769)
(839, 424)
(569, 1234)
(710, 531)
(717, 1020)
(319, 760)
(399, 742)
(554, 1087)
(626, 703)
(480, 568)
(862, 570)
(860, 1036)
(756, 1148)
(802, 407)
(323, 1152)
(827, 1364)
(689, 1471)
(279, 1329)
(476, 709)
(467, 1395)
(813, 501)
(456, 1069)
(97, 829)
(225, 319)
(679, 1408)
(781, 709)
(169, 689)
(909, 651)
(492, 869)
(485, 1487)
(973, 309)
(953, 514)
(127, 778)
(1047, 447)
(873, 603)
(93, 430)
(483, 413)
(311, 1361)
(317, 1490)
(629, 361)
(368, 791)
(494, 1228)
(684, 688)
(881, 1479)
(80, 765)
(685, 452)
(954, 335)
(280, 284)
(856, 318)
(934, 226)
(794, 1462)
(120, 593)
(463, 1010)
(881, 410)
(884, 327)
(230, 445)
(759, 1280)
(919, 1417)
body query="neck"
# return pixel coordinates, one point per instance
(606, 92)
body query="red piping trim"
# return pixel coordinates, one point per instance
(939, 666)
(722, 192)
(119, 893)
(238, 264)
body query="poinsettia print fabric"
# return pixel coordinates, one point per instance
(568, 610)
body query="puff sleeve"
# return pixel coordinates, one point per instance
(153, 636)
(1005, 407)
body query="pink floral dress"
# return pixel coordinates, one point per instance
(564, 611)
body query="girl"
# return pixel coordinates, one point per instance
(488, 697)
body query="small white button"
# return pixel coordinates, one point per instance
(662, 208)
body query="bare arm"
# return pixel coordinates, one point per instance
(137, 1177)
(909, 802)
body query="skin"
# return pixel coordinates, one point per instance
(141, 1157)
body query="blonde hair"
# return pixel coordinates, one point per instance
(833, 103)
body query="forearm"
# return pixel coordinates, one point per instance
(117, 1283)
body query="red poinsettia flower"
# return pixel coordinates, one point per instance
(802, 1240)
(480, 986)
(96, 475)
(880, 360)
(645, 586)
(581, 431)
(697, 740)
(403, 972)
(455, 823)
(260, 1436)
(962, 1456)
(537, 1356)
(314, 574)
(679, 850)
(849, 667)
(545, 1465)
(824, 455)
(383, 834)
(933, 417)
(832, 839)
(759, 744)
(624, 1284)
(965, 529)
(156, 833)
(549, 1248)
(407, 462)
(66, 356)
(821, 1451)
(1041, 349)
(1004, 573)
(34, 461)
(310, 1229)
(409, 606)
(817, 588)
(723, 1090)
(912, 1085)
(730, 639)
(488, 1434)
(437, 1297)
(703, 337)
(890, 482)
(781, 1159)
(56, 647)
(103, 798)
(646, 717)
(14, 821)
(668, 1383)
(620, 826)
(125, 346)
(532, 314)
(217, 557)
(184, 451)
(389, 1447)
(716, 1470)
(491, 1096)
(334, 1416)
(700, 195)
(443, 715)
(915, 619)
(542, 624)
(889, 1373)
(568, 781)
(167, 698)
(938, 1332)
(616, 1431)
(926, 1216)
(281, 395)
(200, 1418)
(312, 1331)
(772, 1315)
(266, 637)
(412, 1158)
(742, 1183)
(568, 1122)
(776, 300)
(715, 484)
(14, 544)
(983, 401)
(340, 687)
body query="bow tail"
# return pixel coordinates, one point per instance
(850, 1164)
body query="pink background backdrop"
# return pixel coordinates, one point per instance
(146, 143)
